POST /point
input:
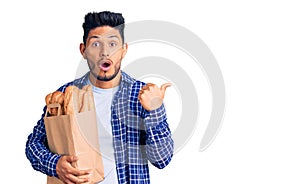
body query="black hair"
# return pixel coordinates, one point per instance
(105, 18)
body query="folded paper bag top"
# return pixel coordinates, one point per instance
(75, 134)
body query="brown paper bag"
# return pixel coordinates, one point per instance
(75, 135)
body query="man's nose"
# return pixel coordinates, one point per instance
(105, 51)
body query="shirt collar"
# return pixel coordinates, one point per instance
(125, 80)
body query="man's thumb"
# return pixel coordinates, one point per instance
(164, 87)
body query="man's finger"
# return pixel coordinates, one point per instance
(79, 176)
(147, 86)
(71, 158)
(84, 178)
(84, 172)
(76, 179)
(164, 87)
(67, 181)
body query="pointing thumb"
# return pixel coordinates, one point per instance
(164, 87)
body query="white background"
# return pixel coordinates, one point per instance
(256, 44)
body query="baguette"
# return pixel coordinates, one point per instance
(57, 97)
(85, 102)
(48, 98)
(68, 107)
(73, 100)
(48, 101)
(91, 103)
(81, 100)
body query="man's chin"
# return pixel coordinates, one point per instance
(106, 77)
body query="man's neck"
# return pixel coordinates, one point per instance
(106, 84)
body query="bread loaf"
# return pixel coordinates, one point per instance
(91, 104)
(73, 100)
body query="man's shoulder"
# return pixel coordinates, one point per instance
(79, 82)
(134, 83)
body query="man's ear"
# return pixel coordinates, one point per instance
(82, 50)
(125, 47)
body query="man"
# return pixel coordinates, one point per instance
(131, 116)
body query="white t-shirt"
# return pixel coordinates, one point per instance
(103, 99)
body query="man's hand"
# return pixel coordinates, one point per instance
(70, 175)
(151, 96)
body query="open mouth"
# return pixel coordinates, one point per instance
(105, 66)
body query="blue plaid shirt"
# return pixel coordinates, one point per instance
(139, 136)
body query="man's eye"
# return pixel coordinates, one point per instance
(113, 44)
(96, 44)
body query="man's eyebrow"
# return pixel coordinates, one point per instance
(113, 36)
(94, 37)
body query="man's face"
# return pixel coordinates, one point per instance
(104, 51)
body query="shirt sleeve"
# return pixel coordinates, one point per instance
(159, 142)
(37, 150)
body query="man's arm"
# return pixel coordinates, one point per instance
(51, 164)
(159, 143)
(37, 152)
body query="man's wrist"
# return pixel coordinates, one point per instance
(154, 117)
(53, 164)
